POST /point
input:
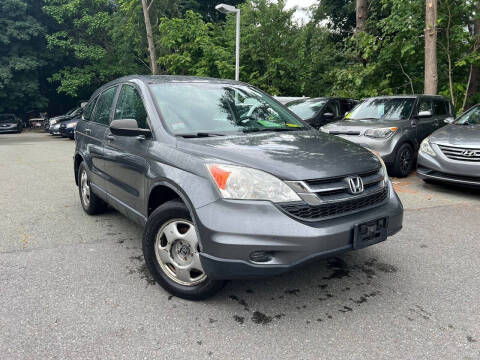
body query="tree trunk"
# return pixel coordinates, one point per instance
(431, 75)
(475, 75)
(151, 43)
(361, 15)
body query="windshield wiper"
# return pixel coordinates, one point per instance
(272, 129)
(199, 134)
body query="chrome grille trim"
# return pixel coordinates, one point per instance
(335, 193)
(460, 153)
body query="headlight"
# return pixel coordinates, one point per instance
(384, 167)
(426, 147)
(238, 182)
(71, 125)
(381, 133)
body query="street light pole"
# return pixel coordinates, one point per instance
(229, 9)
(237, 48)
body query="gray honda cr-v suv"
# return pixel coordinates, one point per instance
(227, 182)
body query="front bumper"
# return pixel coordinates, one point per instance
(9, 128)
(231, 230)
(441, 168)
(67, 132)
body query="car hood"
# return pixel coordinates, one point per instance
(348, 126)
(299, 155)
(457, 135)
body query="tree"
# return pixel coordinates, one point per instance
(431, 75)
(151, 44)
(22, 57)
(361, 15)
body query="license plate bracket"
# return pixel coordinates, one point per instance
(369, 233)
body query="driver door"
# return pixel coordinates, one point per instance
(126, 166)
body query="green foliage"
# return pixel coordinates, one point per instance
(21, 57)
(79, 45)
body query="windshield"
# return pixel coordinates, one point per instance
(6, 118)
(471, 117)
(383, 109)
(190, 108)
(306, 109)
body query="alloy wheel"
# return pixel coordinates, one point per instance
(85, 188)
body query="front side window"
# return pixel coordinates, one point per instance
(104, 105)
(332, 108)
(306, 109)
(189, 108)
(471, 117)
(440, 107)
(130, 106)
(383, 109)
(425, 105)
(6, 118)
(89, 109)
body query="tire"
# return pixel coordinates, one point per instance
(404, 160)
(91, 203)
(174, 261)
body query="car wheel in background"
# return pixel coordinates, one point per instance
(403, 163)
(171, 251)
(91, 203)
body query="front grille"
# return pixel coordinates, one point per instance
(344, 132)
(336, 189)
(461, 154)
(333, 209)
(331, 197)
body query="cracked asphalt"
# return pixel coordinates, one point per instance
(74, 286)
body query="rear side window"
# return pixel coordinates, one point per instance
(130, 106)
(89, 109)
(104, 105)
(440, 107)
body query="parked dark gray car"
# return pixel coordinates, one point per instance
(452, 154)
(321, 111)
(394, 126)
(10, 123)
(227, 182)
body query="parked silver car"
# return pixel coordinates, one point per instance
(394, 126)
(452, 154)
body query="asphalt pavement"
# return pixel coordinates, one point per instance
(75, 286)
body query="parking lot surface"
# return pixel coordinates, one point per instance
(75, 286)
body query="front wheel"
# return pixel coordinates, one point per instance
(403, 161)
(172, 253)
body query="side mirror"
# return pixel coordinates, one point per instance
(128, 127)
(449, 120)
(328, 115)
(425, 114)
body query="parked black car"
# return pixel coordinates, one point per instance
(54, 123)
(226, 181)
(320, 111)
(394, 126)
(67, 128)
(10, 123)
(452, 154)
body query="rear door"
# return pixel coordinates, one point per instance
(126, 166)
(94, 132)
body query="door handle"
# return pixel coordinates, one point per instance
(110, 137)
(141, 137)
(88, 131)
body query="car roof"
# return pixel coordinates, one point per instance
(158, 79)
(407, 96)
